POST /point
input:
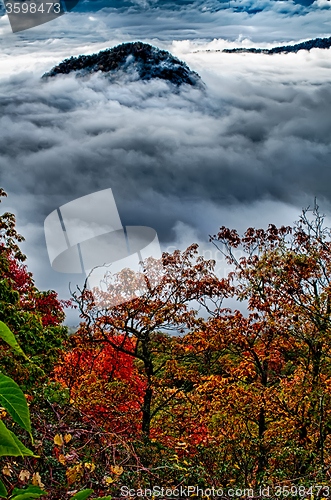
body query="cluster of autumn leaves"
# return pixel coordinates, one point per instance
(197, 391)
(75, 472)
(24, 475)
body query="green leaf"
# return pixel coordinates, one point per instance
(9, 337)
(13, 400)
(27, 493)
(104, 498)
(82, 495)
(10, 445)
(25, 451)
(3, 491)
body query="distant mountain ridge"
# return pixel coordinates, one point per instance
(316, 43)
(136, 58)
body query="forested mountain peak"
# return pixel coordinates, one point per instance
(141, 60)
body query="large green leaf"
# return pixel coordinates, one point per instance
(9, 337)
(10, 445)
(3, 491)
(13, 400)
(24, 451)
(27, 493)
(82, 495)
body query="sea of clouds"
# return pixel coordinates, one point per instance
(253, 148)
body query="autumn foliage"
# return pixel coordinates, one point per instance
(179, 386)
(248, 391)
(103, 382)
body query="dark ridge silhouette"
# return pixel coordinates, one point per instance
(317, 43)
(140, 59)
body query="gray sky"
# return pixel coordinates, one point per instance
(252, 149)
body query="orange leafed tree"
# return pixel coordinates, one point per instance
(137, 331)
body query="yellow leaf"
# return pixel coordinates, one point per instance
(108, 480)
(74, 473)
(90, 466)
(24, 475)
(62, 459)
(58, 440)
(7, 470)
(36, 480)
(116, 470)
(67, 438)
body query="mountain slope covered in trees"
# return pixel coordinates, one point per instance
(137, 59)
(316, 43)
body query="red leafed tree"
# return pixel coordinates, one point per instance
(103, 382)
(34, 316)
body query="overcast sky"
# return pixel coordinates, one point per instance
(251, 149)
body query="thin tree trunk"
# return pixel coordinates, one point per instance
(146, 420)
(262, 452)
